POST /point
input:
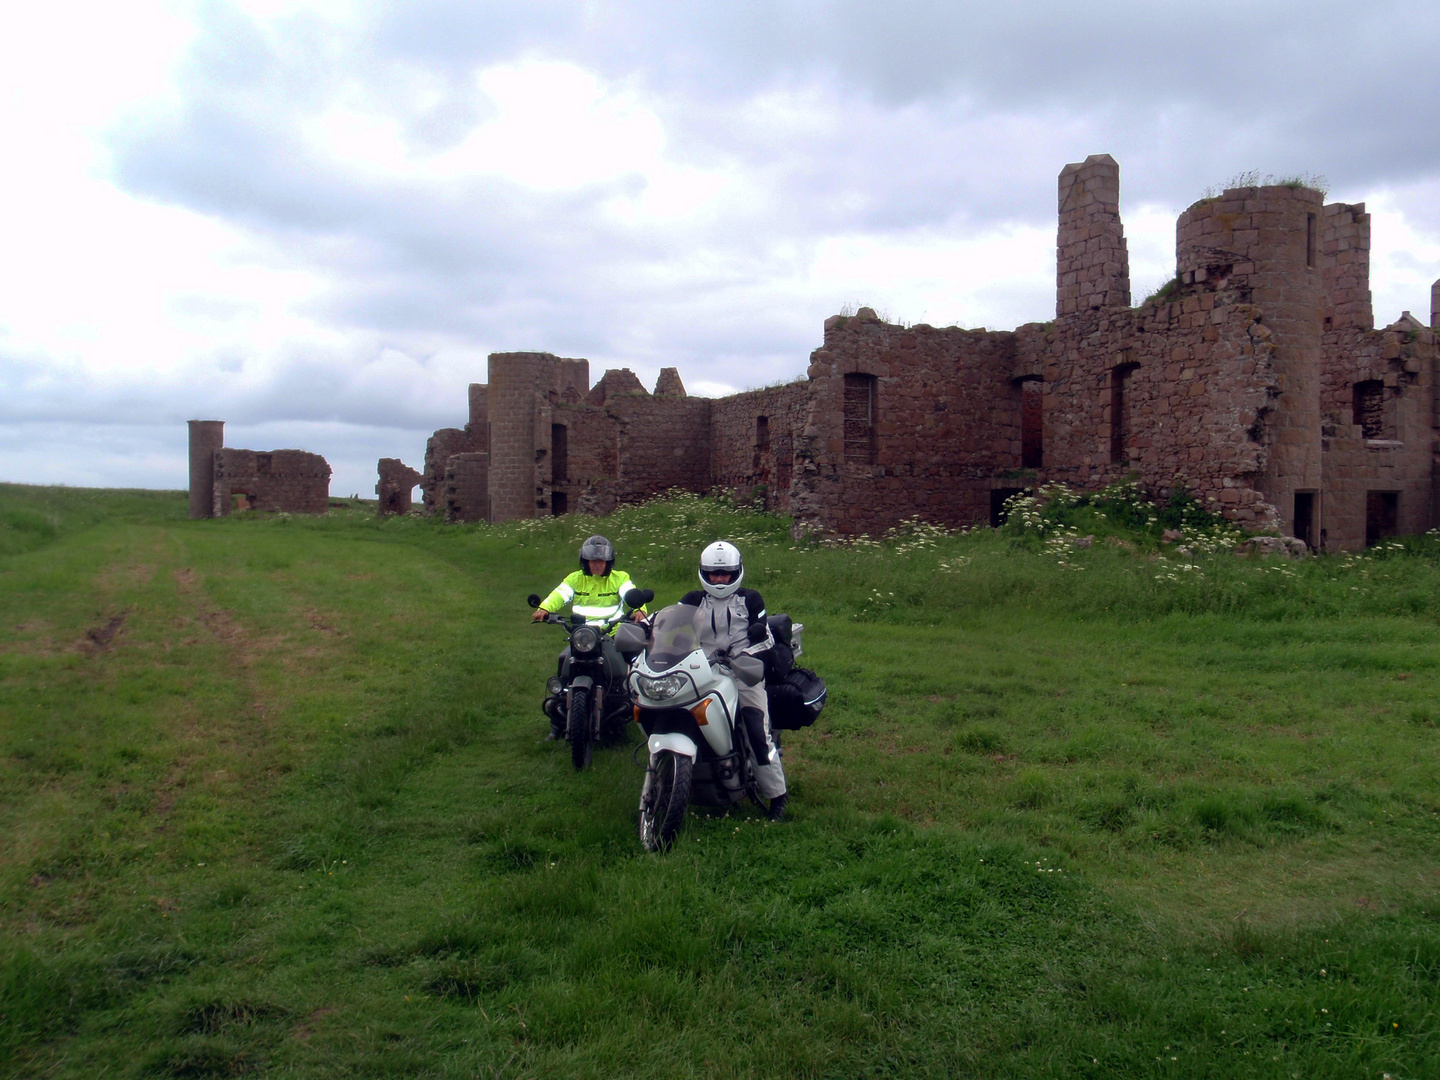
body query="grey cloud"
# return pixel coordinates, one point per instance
(1312, 74)
(303, 387)
(942, 117)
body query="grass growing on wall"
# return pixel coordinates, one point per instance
(274, 800)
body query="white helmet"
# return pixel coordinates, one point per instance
(722, 557)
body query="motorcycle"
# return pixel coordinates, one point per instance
(688, 706)
(589, 692)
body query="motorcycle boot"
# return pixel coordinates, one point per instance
(777, 806)
(754, 721)
(551, 707)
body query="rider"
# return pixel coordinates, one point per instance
(731, 617)
(596, 591)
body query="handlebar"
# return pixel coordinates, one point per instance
(579, 620)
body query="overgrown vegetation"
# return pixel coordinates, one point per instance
(1137, 808)
(1163, 292)
(1254, 178)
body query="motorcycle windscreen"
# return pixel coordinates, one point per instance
(672, 637)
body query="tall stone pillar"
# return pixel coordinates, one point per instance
(1345, 266)
(1092, 261)
(479, 415)
(206, 436)
(1435, 305)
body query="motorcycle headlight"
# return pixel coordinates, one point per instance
(553, 685)
(662, 688)
(586, 639)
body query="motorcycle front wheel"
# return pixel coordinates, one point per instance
(664, 813)
(577, 728)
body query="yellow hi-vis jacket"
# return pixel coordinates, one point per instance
(598, 599)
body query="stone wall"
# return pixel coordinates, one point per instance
(664, 443)
(1394, 465)
(1255, 380)
(625, 445)
(594, 459)
(395, 487)
(467, 486)
(440, 448)
(288, 480)
(904, 421)
(752, 443)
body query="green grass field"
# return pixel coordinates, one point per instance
(273, 801)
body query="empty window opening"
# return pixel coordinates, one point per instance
(1310, 240)
(559, 453)
(1369, 406)
(762, 433)
(860, 419)
(1382, 515)
(1032, 424)
(263, 464)
(1120, 413)
(242, 500)
(998, 497)
(1304, 526)
(559, 503)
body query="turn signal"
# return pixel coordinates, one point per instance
(698, 711)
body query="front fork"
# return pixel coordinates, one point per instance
(647, 790)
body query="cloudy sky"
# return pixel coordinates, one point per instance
(314, 220)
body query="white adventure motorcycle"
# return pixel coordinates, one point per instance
(688, 707)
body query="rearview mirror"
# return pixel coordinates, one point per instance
(637, 597)
(533, 599)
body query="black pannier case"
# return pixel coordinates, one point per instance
(796, 700)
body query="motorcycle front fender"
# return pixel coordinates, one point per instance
(582, 682)
(674, 742)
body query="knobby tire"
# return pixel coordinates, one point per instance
(577, 727)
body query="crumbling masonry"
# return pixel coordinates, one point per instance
(223, 480)
(1256, 379)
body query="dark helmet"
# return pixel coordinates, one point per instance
(597, 547)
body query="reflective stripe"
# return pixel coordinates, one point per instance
(566, 593)
(596, 612)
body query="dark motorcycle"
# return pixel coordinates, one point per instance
(589, 692)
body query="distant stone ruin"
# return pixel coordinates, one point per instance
(1256, 380)
(397, 482)
(223, 481)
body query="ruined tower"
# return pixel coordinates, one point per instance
(206, 436)
(1266, 242)
(522, 387)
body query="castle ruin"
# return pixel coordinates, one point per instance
(1256, 380)
(223, 480)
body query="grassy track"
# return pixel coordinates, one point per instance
(273, 801)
